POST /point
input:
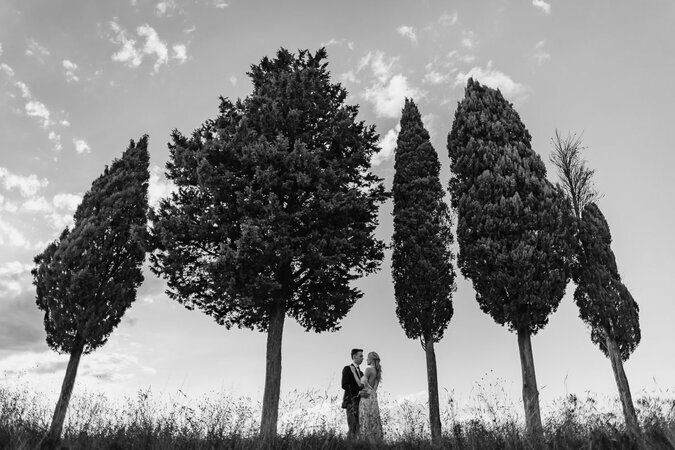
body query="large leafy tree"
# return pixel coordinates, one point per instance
(424, 278)
(512, 224)
(275, 209)
(604, 302)
(87, 278)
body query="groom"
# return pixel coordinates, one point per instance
(351, 383)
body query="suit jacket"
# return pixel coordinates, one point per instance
(350, 386)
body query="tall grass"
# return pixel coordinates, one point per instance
(314, 419)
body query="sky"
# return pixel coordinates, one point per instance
(79, 79)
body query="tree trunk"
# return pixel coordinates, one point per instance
(270, 407)
(53, 437)
(530, 392)
(622, 383)
(432, 382)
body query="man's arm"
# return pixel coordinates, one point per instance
(346, 375)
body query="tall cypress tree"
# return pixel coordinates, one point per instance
(512, 224)
(604, 302)
(275, 210)
(424, 278)
(87, 279)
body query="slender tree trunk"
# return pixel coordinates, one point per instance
(622, 383)
(270, 407)
(53, 437)
(432, 382)
(530, 392)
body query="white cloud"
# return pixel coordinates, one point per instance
(36, 204)
(540, 53)
(7, 206)
(128, 54)
(428, 120)
(66, 201)
(27, 185)
(434, 77)
(220, 4)
(70, 68)
(0, 48)
(233, 80)
(468, 39)
(448, 19)
(387, 146)
(25, 92)
(39, 110)
(7, 70)
(542, 5)
(408, 32)
(35, 49)
(159, 187)
(10, 236)
(350, 77)
(64, 123)
(180, 53)
(350, 45)
(81, 146)
(330, 42)
(154, 45)
(14, 279)
(493, 78)
(388, 98)
(164, 8)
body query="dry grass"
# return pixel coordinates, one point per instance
(314, 420)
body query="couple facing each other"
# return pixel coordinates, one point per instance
(360, 398)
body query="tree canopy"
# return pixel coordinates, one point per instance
(87, 278)
(275, 203)
(424, 278)
(512, 223)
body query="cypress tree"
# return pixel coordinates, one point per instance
(512, 224)
(604, 302)
(424, 278)
(87, 279)
(275, 210)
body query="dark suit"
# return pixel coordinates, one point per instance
(351, 399)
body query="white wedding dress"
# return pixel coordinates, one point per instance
(370, 423)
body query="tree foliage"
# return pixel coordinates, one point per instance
(604, 301)
(424, 278)
(513, 224)
(87, 278)
(275, 205)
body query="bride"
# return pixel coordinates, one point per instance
(369, 410)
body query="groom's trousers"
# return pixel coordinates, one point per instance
(353, 417)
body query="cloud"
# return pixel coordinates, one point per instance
(35, 49)
(35, 108)
(21, 325)
(164, 8)
(434, 77)
(540, 54)
(233, 80)
(448, 19)
(542, 5)
(15, 278)
(27, 185)
(488, 76)
(81, 146)
(159, 186)
(387, 90)
(154, 45)
(408, 32)
(132, 55)
(70, 67)
(12, 237)
(39, 110)
(180, 53)
(7, 70)
(220, 4)
(0, 48)
(388, 98)
(468, 39)
(387, 146)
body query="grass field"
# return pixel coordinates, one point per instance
(314, 420)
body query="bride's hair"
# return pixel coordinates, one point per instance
(376, 364)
